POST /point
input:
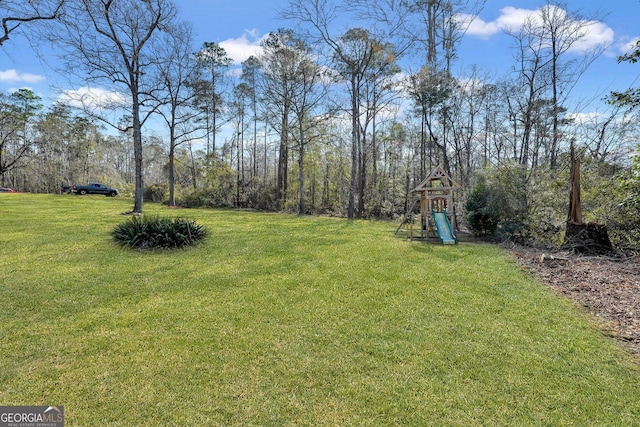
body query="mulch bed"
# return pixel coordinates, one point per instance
(607, 286)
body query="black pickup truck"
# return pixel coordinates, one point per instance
(94, 189)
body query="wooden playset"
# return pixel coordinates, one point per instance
(437, 217)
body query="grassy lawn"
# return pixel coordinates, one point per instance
(277, 320)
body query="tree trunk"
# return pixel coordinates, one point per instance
(172, 176)
(137, 154)
(281, 180)
(354, 148)
(362, 176)
(301, 207)
(575, 210)
(580, 237)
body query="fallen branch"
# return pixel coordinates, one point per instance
(552, 258)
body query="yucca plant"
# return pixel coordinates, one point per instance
(155, 232)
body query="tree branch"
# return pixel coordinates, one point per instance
(12, 23)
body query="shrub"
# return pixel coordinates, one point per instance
(154, 232)
(192, 199)
(499, 204)
(483, 213)
(156, 193)
(624, 216)
(207, 198)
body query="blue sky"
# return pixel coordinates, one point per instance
(239, 25)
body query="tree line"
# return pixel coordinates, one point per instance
(324, 119)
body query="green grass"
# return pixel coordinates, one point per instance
(277, 320)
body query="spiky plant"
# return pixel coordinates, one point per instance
(155, 232)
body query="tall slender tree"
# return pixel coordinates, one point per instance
(175, 97)
(562, 31)
(250, 76)
(279, 62)
(430, 90)
(213, 61)
(109, 43)
(549, 64)
(379, 88)
(308, 95)
(354, 54)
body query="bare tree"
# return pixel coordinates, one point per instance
(378, 90)
(562, 31)
(530, 68)
(430, 90)
(439, 26)
(308, 93)
(250, 75)
(109, 43)
(278, 63)
(434, 26)
(467, 101)
(354, 54)
(17, 12)
(174, 99)
(241, 96)
(548, 72)
(609, 136)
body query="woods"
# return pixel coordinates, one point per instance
(327, 120)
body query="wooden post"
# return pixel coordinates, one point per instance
(410, 231)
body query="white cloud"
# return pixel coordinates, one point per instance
(596, 34)
(512, 19)
(477, 27)
(92, 99)
(13, 76)
(471, 84)
(598, 118)
(585, 118)
(625, 45)
(241, 48)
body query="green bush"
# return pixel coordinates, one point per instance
(191, 199)
(206, 198)
(498, 204)
(156, 193)
(483, 211)
(154, 232)
(623, 217)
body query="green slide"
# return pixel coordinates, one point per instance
(443, 226)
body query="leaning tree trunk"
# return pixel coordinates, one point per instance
(581, 237)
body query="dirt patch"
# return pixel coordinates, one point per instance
(608, 287)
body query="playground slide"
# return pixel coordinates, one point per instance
(443, 226)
